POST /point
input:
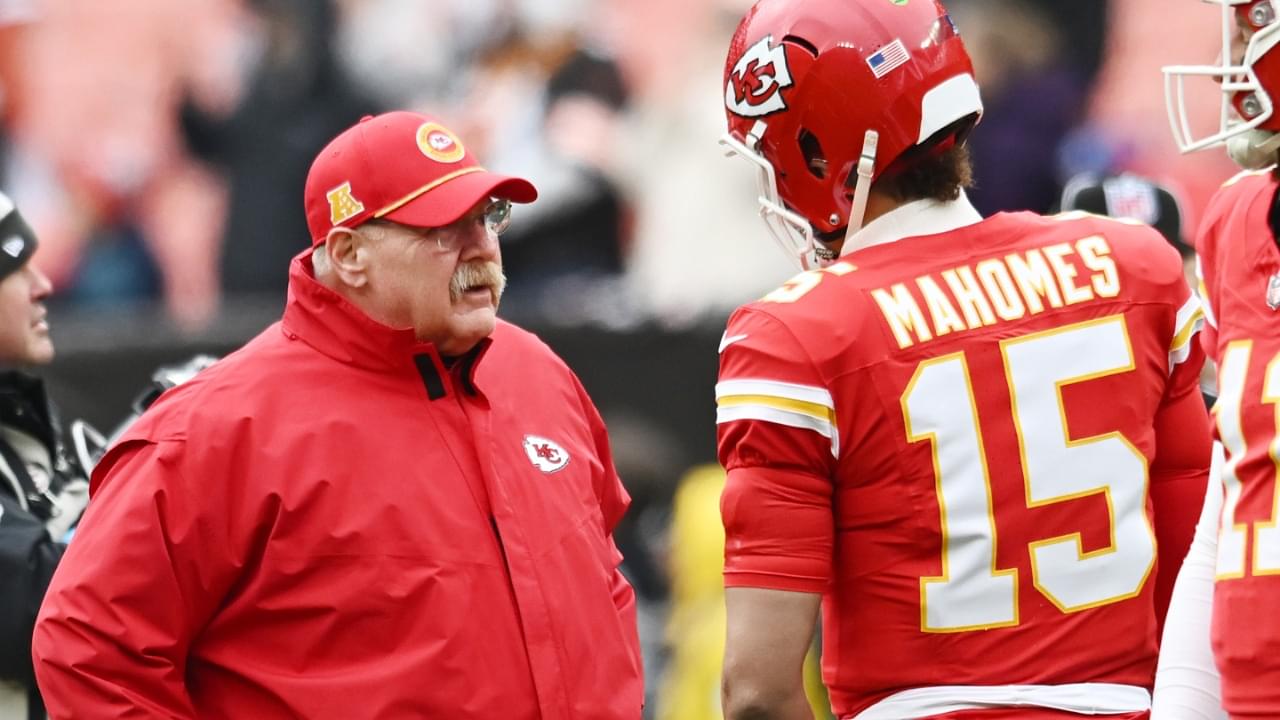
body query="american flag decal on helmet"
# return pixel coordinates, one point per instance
(889, 58)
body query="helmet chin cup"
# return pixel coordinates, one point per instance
(789, 229)
(1254, 150)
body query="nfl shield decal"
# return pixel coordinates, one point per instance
(1273, 292)
(546, 455)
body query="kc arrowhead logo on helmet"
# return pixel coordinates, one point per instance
(756, 83)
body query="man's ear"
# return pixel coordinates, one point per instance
(348, 255)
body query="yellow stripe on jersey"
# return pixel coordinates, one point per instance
(1189, 320)
(1246, 174)
(1208, 309)
(775, 388)
(813, 410)
(1203, 291)
(800, 406)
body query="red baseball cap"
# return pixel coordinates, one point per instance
(403, 167)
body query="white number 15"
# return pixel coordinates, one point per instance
(938, 405)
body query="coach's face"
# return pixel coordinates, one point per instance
(444, 282)
(24, 328)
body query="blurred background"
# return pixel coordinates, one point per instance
(159, 149)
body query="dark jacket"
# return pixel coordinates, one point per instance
(28, 553)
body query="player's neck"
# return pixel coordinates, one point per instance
(879, 204)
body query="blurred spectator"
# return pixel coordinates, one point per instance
(1083, 26)
(1035, 80)
(1137, 198)
(97, 139)
(700, 248)
(1133, 197)
(15, 16)
(1129, 102)
(548, 104)
(297, 97)
(426, 52)
(580, 226)
(419, 53)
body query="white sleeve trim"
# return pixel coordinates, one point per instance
(1187, 682)
(800, 406)
(780, 416)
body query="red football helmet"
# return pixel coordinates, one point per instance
(825, 96)
(1247, 121)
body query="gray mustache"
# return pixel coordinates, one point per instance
(480, 272)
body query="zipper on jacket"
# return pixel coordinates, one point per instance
(502, 546)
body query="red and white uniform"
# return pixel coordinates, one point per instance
(958, 439)
(1240, 270)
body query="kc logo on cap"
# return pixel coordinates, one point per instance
(438, 143)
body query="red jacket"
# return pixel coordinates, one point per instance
(329, 523)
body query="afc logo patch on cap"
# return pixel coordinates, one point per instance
(438, 143)
(342, 204)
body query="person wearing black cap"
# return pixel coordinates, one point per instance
(1133, 197)
(42, 488)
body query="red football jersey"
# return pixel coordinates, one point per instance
(953, 438)
(1240, 271)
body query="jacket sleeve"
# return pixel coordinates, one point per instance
(28, 556)
(145, 572)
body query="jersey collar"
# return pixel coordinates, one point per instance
(920, 217)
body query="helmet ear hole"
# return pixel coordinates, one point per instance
(811, 150)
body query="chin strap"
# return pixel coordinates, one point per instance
(862, 186)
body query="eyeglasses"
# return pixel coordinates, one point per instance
(452, 237)
(496, 217)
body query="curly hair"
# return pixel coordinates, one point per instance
(938, 177)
